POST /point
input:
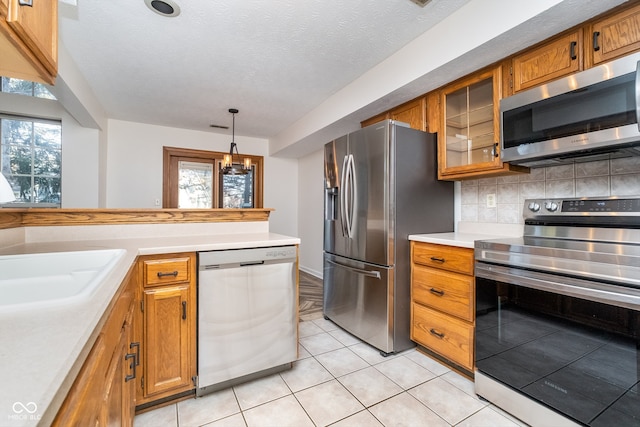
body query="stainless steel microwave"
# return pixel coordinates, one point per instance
(590, 115)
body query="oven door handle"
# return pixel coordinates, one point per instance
(620, 296)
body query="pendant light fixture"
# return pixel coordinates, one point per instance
(229, 167)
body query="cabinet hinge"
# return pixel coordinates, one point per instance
(142, 306)
(142, 382)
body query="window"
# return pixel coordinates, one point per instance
(31, 158)
(192, 180)
(31, 150)
(25, 87)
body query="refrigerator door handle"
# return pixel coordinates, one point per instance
(353, 194)
(343, 197)
(368, 273)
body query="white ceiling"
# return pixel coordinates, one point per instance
(274, 60)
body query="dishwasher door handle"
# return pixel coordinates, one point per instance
(368, 273)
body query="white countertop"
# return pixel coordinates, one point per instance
(462, 240)
(42, 350)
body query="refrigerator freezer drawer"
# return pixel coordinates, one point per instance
(357, 298)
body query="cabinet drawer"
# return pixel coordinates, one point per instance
(166, 271)
(449, 292)
(449, 337)
(445, 257)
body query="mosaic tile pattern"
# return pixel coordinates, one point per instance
(618, 177)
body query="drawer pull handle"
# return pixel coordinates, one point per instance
(436, 333)
(437, 259)
(173, 273)
(25, 3)
(436, 292)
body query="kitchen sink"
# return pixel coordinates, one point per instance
(31, 281)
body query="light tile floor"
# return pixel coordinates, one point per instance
(340, 381)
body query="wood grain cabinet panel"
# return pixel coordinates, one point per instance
(29, 40)
(450, 293)
(444, 257)
(450, 337)
(443, 302)
(557, 58)
(168, 332)
(159, 272)
(613, 36)
(103, 392)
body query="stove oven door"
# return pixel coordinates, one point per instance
(556, 350)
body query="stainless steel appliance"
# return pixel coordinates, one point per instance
(380, 186)
(247, 314)
(558, 314)
(591, 115)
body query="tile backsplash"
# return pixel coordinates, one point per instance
(617, 177)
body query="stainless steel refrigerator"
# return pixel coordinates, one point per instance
(380, 186)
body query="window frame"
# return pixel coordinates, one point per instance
(171, 157)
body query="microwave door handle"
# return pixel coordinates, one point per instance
(638, 94)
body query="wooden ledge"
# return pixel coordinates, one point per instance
(33, 217)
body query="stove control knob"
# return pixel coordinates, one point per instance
(551, 206)
(534, 207)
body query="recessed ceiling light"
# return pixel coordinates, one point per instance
(167, 8)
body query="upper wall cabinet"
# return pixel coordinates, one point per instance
(469, 129)
(557, 58)
(412, 112)
(613, 36)
(29, 40)
(601, 40)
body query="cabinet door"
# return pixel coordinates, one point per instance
(470, 124)
(375, 119)
(412, 112)
(614, 36)
(37, 27)
(558, 58)
(167, 352)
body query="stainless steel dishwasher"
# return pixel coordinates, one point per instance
(247, 314)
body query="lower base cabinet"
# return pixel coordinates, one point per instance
(443, 302)
(167, 326)
(103, 392)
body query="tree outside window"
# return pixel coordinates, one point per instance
(31, 150)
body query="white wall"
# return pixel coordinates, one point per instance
(311, 205)
(79, 148)
(134, 168)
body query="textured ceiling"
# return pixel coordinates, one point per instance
(274, 60)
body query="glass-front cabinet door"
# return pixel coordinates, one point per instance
(471, 124)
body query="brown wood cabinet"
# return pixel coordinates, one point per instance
(469, 127)
(612, 36)
(103, 392)
(443, 301)
(603, 39)
(557, 58)
(29, 40)
(412, 112)
(168, 332)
